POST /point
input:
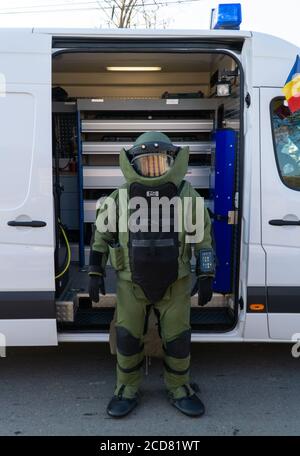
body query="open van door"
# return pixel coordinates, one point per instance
(27, 306)
(280, 183)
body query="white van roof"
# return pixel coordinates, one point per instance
(268, 58)
(268, 61)
(143, 33)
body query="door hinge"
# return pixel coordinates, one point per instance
(248, 100)
(241, 303)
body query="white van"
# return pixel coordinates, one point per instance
(59, 155)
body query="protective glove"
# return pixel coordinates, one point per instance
(205, 289)
(96, 284)
(205, 272)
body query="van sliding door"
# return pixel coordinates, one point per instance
(280, 180)
(27, 309)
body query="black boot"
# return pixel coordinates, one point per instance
(120, 406)
(190, 404)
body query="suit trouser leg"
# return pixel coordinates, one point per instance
(174, 317)
(131, 313)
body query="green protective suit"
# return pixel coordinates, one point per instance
(173, 310)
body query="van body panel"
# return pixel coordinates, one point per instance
(273, 58)
(269, 255)
(25, 57)
(285, 326)
(26, 188)
(140, 33)
(28, 332)
(253, 253)
(256, 327)
(281, 243)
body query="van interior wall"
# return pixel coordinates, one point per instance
(85, 75)
(140, 85)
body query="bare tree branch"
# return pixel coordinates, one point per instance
(122, 13)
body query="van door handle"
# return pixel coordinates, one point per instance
(280, 222)
(33, 223)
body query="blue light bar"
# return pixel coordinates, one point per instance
(227, 16)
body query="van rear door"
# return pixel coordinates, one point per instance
(27, 307)
(280, 182)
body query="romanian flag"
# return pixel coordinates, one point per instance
(291, 89)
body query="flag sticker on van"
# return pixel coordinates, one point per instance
(291, 89)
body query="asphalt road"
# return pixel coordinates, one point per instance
(248, 389)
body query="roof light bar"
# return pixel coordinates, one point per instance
(227, 16)
(132, 68)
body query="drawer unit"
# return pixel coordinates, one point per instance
(102, 177)
(112, 148)
(146, 125)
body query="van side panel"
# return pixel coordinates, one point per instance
(280, 217)
(253, 264)
(29, 332)
(27, 283)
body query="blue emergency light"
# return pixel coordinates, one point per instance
(226, 17)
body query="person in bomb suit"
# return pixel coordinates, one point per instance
(153, 268)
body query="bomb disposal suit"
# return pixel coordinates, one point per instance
(151, 252)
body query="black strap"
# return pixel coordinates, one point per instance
(140, 349)
(120, 392)
(157, 313)
(148, 310)
(180, 188)
(131, 369)
(188, 392)
(152, 242)
(173, 371)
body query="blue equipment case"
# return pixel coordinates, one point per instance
(223, 196)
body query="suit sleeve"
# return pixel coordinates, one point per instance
(105, 232)
(206, 242)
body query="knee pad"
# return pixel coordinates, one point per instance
(179, 347)
(127, 344)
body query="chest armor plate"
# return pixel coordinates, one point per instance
(154, 247)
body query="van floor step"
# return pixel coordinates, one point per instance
(202, 318)
(90, 319)
(79, 280)
(211, 318)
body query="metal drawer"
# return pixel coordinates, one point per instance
(102, 177)
(145, 125)
(89, 210)
(93, 147)
(112, 177)
(198, 176)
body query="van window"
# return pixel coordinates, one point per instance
(286, 135)
(16, 148)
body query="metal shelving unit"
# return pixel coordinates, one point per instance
(94, 147)
(129, 126)
(107, 126)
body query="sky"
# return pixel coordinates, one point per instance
(276, 17)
